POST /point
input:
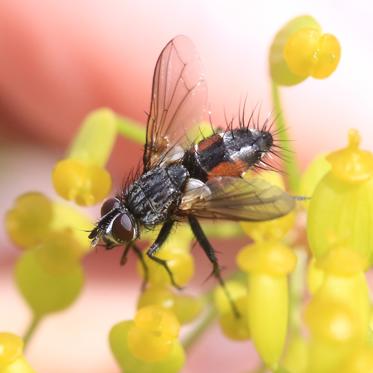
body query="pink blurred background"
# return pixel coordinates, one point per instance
(61, 59)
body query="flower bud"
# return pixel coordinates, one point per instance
(129, 363)
(11, 355)
(81, 177)
(268, 264)
(341, 207)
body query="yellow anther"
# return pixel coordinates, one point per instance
(280, 71)
(352, 164)
(153, 334)
(308, 52)
(29, 220)
(81, 182)
(81, 177)
(342, 261)
(273, 258)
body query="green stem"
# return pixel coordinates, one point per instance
(211, 316)
(35, 321)
(291, 164)
(296, 285)
(200, 329)
(131, 130)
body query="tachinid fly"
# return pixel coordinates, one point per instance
(187, 182)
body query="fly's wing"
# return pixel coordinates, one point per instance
(237, 199)
(178, 99)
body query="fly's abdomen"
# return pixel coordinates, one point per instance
(156, 194)
(228, 153)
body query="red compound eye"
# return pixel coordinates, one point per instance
(122, 228)
(108, 205)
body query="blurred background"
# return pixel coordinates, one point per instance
(61, 59)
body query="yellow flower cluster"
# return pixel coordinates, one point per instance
(150, 342)
(11, 355)
(48, 273)
(339, 234)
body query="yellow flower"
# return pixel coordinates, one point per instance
(300, 50)
(341, 208)
(186, 308)
(339, 312)
(34, 219)
(129, 363)
(308, 52)
(47, 286)
(268, 264)
(11, 355)
(360, 361)
(81, 177)
(153, 334)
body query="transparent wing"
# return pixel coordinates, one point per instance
(232, 198)
(178, 99)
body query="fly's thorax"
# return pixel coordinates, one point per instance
(116, 225)
(154, 196)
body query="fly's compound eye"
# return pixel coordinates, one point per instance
(108, 205)
(122, 228)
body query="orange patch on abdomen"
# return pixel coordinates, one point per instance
(209, 141)
(228, 169)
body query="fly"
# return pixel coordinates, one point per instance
(183, 182)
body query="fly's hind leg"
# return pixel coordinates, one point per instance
(210, 252)
(162, 236)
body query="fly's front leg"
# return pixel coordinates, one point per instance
(162, 236)
(123, 259)
(138, 252)
(210, 252)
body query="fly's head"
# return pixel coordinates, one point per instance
(116, 225)
(262, 143)
(250, 146)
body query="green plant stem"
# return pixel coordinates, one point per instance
(296, 285)
(291, 164)
(131, 130)
(200, 329)
(35, 321)
(211, 315)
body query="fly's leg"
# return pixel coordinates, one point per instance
(210, 252)
(138, 252)
(162, 236)
(136, 249)
(123, 258)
